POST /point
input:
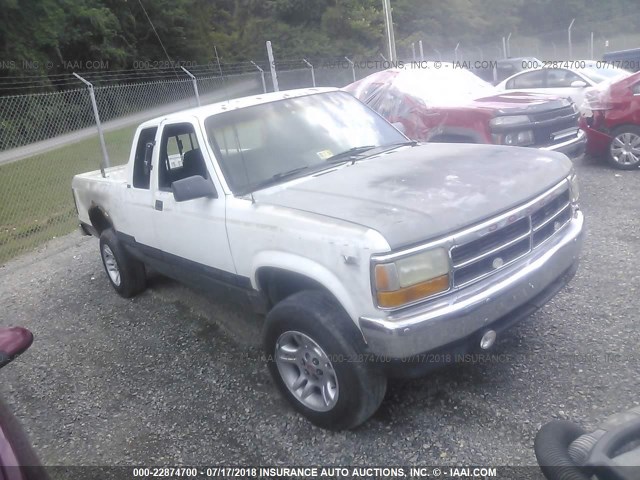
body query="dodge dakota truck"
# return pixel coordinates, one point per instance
(364, 250)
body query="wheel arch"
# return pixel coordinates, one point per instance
(278, 275)
(100, 219)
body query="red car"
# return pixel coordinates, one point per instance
(611, 119)
(17, 459)
(438, 102)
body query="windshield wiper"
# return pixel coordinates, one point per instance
(338, 157)
(289, 173)
(278, 176)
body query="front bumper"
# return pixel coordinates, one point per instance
(572, 148)
(430, 326)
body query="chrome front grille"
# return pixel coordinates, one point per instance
(497, 244)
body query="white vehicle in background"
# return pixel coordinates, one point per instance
(566, 79)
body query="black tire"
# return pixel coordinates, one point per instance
(633, 132)
(361, 384)
(552, 451)
(133, 278)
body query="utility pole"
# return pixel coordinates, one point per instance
(391, 39)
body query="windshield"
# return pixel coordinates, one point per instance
(261, 145)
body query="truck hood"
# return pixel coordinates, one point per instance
(414, 194)
(516, 103)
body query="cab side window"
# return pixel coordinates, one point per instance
(180, 155)
(142, 175)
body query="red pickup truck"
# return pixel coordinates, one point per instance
(439, 102)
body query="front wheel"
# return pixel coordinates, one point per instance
(624, 149)
(315, 357)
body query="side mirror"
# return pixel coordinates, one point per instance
(193, 187)
(578, 84)
(148, 154)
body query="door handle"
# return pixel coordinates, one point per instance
(159, 205)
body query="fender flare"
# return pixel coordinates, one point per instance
(307, 268)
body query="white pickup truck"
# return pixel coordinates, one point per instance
(370, 255)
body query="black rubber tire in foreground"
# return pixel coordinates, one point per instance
(133, 278)
(552, 450)
(362, 384)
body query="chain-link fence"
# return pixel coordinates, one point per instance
(47, 138)
(579, 40)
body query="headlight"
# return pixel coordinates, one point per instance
(521, 139)
(574, 188)
(412, 278)
(509, 120)
(518, 139)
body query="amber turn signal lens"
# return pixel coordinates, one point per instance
(413, 293)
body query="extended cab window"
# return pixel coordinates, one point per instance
(180, 155)
(142, 174)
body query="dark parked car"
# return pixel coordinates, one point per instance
(17, 459)
(627, 59)
(441, 103)
(612, 122)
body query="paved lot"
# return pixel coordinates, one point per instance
(173, 376)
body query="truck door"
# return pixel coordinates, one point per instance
(138, 196)
(192, 234)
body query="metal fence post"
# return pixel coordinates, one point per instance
(195, 84)
(105, 155)
(591, 45)
(421, 51)
(313, 74)
(272, 63)
(264, 84)
(353, 67)
(569, 38)
(455, 52)
(509, 45)
(391, 39)
(413, 51)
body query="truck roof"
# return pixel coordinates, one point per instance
(236, 103)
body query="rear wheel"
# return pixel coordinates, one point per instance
(316, 358)
(126, 274)
(624, 149)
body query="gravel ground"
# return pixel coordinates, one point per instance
(173, 376)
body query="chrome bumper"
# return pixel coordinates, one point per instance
(572, 148)
(426, 327)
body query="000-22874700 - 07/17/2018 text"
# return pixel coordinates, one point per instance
(319, 472)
